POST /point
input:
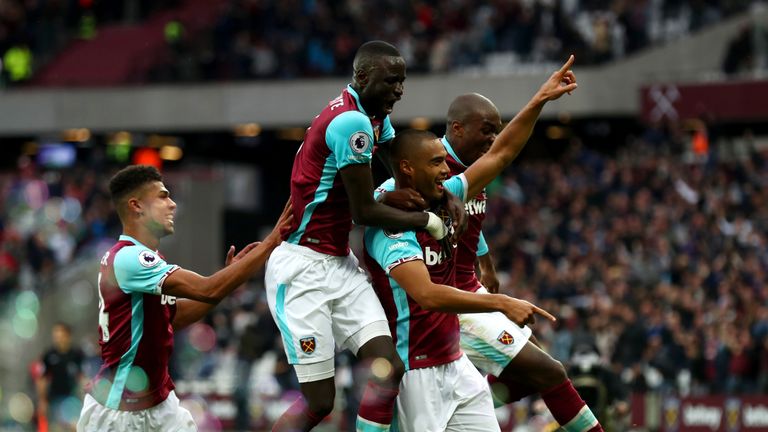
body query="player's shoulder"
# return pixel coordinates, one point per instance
(136, 257)
(350, 119)
(379, 240)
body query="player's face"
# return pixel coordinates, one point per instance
(430, 170)
(384, 86)
(478, 133)
(159, 209)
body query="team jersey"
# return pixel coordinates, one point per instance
(422, 338)
(136, 335)
(342, 134)
(472, 243)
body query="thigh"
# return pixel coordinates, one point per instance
(357, 313)
(300, 307)
(474, 411)
(491, 340)
(170, 416)
(424, 403)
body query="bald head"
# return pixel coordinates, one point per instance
(407, 145)
(471, 126)
(464, 107)
(371, 52)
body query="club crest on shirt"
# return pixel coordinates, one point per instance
(505, 338)
(148, 259)
(359, 142)
(307, 344)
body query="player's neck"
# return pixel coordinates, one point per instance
(142, 235)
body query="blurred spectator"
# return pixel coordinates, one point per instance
(59, 386)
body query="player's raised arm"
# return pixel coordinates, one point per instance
(514, 136)
(413, 276)
(212, 289)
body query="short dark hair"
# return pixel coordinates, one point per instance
(370, 52)
(131, 178)
(405, 142)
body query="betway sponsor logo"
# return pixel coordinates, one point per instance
(754, 415)
(432, 257)
(702, 415)
(475, 207)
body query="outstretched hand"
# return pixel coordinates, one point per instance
(561, 82)
(232, 258)
(284, 221)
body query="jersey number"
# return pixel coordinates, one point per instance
(103, 316)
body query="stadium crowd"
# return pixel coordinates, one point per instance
(288, 39)
(47, 217)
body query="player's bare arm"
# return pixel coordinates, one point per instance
(514, 136)
(212, 289)
(488, 277)
(358, 182)
(413, 276)
(189, 311)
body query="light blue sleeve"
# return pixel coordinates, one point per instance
(457, 185)
(350, 138)
(387, 132)
(482, 246)
(141, 270)
(392, 249)
(387, 186)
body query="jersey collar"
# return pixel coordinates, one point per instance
(354, 94)
(124, 237)
(450, 151)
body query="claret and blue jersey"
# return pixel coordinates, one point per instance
(136, 335)
(422, 338)
(341, 135)
(472, 243)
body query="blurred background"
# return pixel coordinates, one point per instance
(637, 214)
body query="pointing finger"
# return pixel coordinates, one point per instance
(544, 313)
(567, 64)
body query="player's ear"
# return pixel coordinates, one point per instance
(458, 128)
(134, 205)
(405, 167)
(361, 77)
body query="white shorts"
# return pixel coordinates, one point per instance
(491, 340)
(319, 301)
(166, 416)
(449, 397)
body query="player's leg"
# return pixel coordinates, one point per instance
(474, 411)
(381, 390)
(534, 369)
(426, 401)
(360, 321)
(499, 347)
(301, 306)
(309, 410)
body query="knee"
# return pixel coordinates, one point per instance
(398, 369)
(321, 406)
(555, 373)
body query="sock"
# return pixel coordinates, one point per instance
(507, 392)
(569, 409)
(297, 418)
(376, 407)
